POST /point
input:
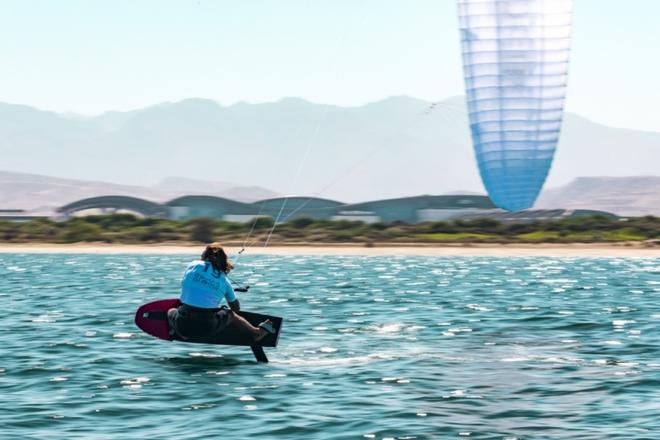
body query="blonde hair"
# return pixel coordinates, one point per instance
(215, 254)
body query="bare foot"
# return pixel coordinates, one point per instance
(171, 317)
(261, 333)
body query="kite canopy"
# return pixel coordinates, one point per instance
(515, 60)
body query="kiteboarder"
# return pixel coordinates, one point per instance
(203, 287)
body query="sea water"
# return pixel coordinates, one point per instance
(372, 347)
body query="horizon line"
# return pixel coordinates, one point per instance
(75, 115)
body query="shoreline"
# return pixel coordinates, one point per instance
(385, 249)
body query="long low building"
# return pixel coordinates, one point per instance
(407, 209)
(282, 209)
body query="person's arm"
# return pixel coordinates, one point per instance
(235, 305)
(230, 296)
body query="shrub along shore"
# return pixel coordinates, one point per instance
(128, 229)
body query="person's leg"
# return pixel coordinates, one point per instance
(256, 332)
(171, 319)
(172, 315)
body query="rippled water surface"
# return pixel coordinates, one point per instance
(372, 347)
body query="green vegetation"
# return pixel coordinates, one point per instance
(124, 228)
(457, 236)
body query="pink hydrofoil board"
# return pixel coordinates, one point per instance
(151, 318)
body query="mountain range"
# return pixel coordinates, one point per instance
(42, 194)
(396, 147)
(631, 196)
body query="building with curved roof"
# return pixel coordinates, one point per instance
(113, 204)
(288, 208)
(295, 202)
(187, 207)
(406, 209)
(417, 209)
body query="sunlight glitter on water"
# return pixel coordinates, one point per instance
(436, 347)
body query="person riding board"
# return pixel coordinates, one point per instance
(203, 287)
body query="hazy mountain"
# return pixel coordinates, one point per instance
(632, 196)
(395, 147)
(621, 195)
(191, 186)
(176, 186)
(43, 193)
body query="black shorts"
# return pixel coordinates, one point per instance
(195, 322)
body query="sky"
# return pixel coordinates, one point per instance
(92, 56)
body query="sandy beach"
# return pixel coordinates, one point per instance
(495, 250)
